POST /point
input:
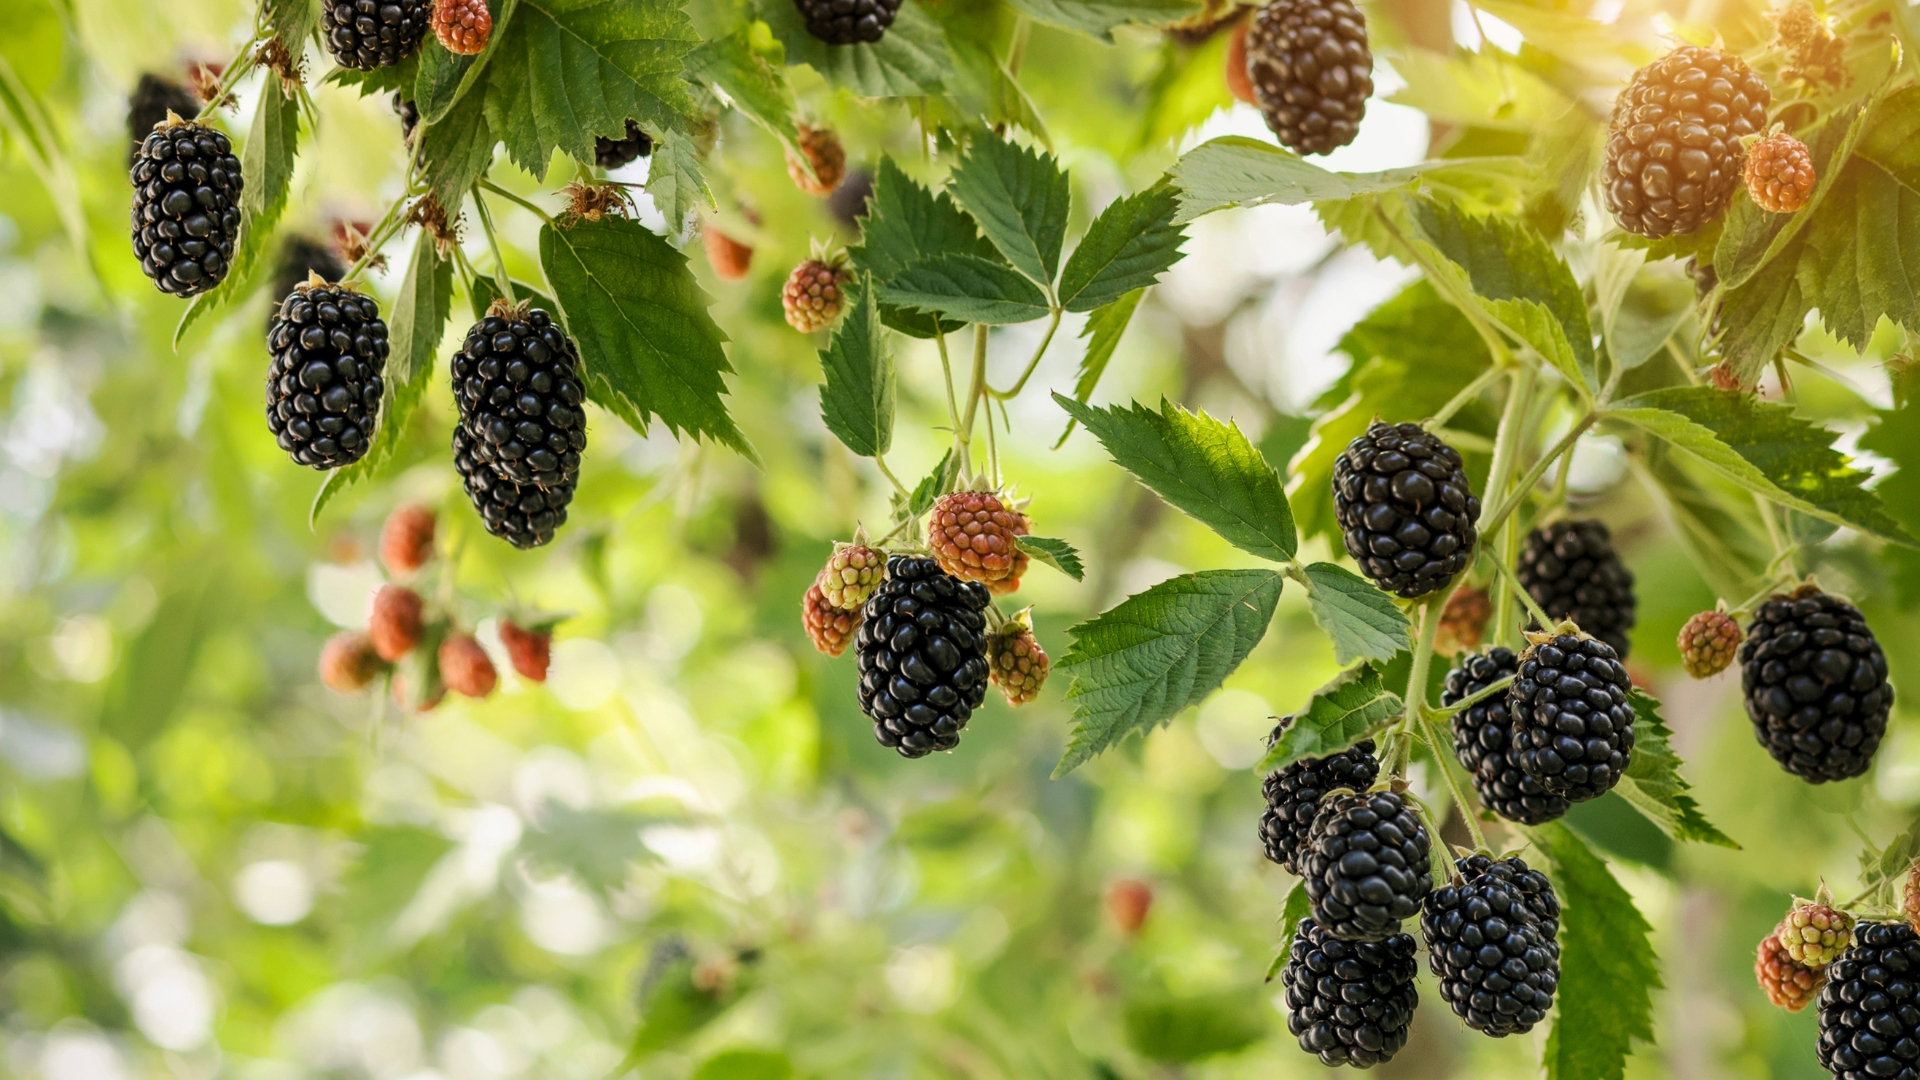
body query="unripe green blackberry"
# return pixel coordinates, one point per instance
(186, 206)
(1015, 661)
(1708, 643)
(1311, 70)
(1570, 569)
(1350, 1002)
(329, 349)
(1492, 941)
(851, 575)
(1673, 156)
(1406, 513)
(369, 34)
(1366, 866)
(1815, 934)
(1293, 795)
(1572, 721)
(1816, 685)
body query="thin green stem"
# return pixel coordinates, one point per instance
(502, 280)
(1533, 608)
(1467, 393)
(1017, 49)
(1520, 490)
(511, 197)
(1416, 696)
(993, 449)
(946, 380)
(1775, 535)
(1475, 698)
(1502, 355)
(1053, 324)
(1440, 755)
(880, 460)
(975, 391)
(237, 68)
(1506, 447)
(383, 230)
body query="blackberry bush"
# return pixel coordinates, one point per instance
(1483, 741)
(1673, 156)
(369, 34)
(922, 652)
(186, 206)
(329, 349)
(1492, 941)
(1311, 70)
(1350, 1002)
(517, 384)
(1405, 510)
(1869, 1021)
(1293, 795)
(1366, 866)
(1570, 569)
(1572, 722)
(1816, 685)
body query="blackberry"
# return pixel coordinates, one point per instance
(369, 34)
(1293, 795)
(1366, 865)
(1491, 937)
(1350, 1002)
(1779, 174)
(1572, 724)
(1405, 510)
(186, 206)
(1869, 1016)
(1816, 685)
(1482, 740)
(517, 383)
(1571, 571)
(1311, 71)
(848, 22)
(153, 97)
(613, 153)
(409, 114)
(1673, 157)
(922, 651)
(301, 257)
(323, 388)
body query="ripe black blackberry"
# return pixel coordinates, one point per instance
(1293, 795)
(1405, 510)
(848, 22)
(1673, 155)
(1572, 723)
(922, 652)
(1366, 865)
(153, 97)
(186, 206)
(516, 382)
(1571, 571)
(301, 257)
(369, 34)
(1816, 685)
(329, 350)
(1491, 937)
(1482, 739)
(1869, 1018)
(409, 114)
(613, 153)
(1350, 1002)
(1311, 71)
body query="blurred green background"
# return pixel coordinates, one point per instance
(687, 842)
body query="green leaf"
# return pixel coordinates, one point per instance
(745, 1065)
(1354, 706)
(418, 322)
(442, 79)
(906, 223)
(1519, 280)
(1126, 249)
(1764, 448)
(749, 71)
(1883, 869)
(1653, 783)
(1237, 171)
(24, 119)
(1364, 623)
(599, 847)
(647, 343)
(392, 863)
(857, 400)
(1639, 309)
(456, 149)
(1171, 1029)
(293, 21)
(912, 60)
(676, 1001)
(1490, 90)
(674, 179)
(1608, 970)
(1292, 910)
(933, 485)
(1055, 553)
(1160, 651)
(1021, 200)
(1863, 250)
(1106, 326)
(1200, 465)
(1098, 18)
(1751, 237)
(968, 288)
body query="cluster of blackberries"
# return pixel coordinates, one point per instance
(1570, 569)
(848, 22)
(1483, 740)
(1674, 157)
(1572, 720)
(1293, 795)
(922, 655)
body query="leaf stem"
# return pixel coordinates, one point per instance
(1416, 695)
(946, 372)
(1440, 755)
(1506, 448)
(511, 197)
(1525, 487)
(1053, 324)
(1540, 616)
(975, 392)
(881, 460)
(502, 280)
(1467, 393)
(1449, 711)
(383, 231)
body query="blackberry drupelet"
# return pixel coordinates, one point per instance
(329, 350)
(1366, 865)
(1293, 795)
(1482, 740)
(186, 206)
(1491, 937)
(1311, 71)
(613, 153)
(922, 651)
(1405, 510)
(369, 34)
(1350, 1002)
(1572, 724)
(848, 22)
(1673, 157)
(1571, 571)
(1816, 685)
(1869, 1014)
(153, 97)
(517, 383)
(301, 256)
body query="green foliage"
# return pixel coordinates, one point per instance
(1126, 249)
(1055, 553)
(857, 400)
(912, 60)
(1160, 651)
(1363, 622)
(1176, 1030)
(1237, 171)
(1608, 971)
(745, 1065)
(1020, 199)
(1653, 783)
(266, 161)
(1099, 18)
(1354, 706)
(1292, 910)
(1103, 331)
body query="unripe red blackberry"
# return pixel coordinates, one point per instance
(406, 539)
(973, 536)
(1492, 941)
(1708, 642)
(1406, 513)
(1815, 682)
(186, 206)
(828, 627)
(1239, 83)
(1128, 902)
(1463, 621)
(1293, 795)
(851, 575)
(1779, 173)
(397, 621)
(922, 651)
(530, 651)
(1311, 70)
(348, 662)
(369, 34)
(824, 154)
(614, 153)
(1788, 985)
(1350, 1003)
(1815, 934)
(1367, 865)
(463, 27)
(1572, 722)
(465, 667)
(1910, 898)
(729, 258)
(814, 294)
(848, 22)
(324, 386)
(1015, 661)
(1570, 569)
(1673, 155)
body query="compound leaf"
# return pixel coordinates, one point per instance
(1126, 249)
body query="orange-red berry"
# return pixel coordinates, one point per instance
(1708, 642)
(1017, 664)
(406, 539)
(829, 160)
(348, 662)
(398, 618)
(1789, 985)
(465, 666)
(1239, 83)
(463, 26)
(829, 627)
(729, 258)
(1128, 902)
(972, 535)
(1779, 173)
(529, 650)
(814, 294)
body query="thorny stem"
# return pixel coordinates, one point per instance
(1053, 324)
(1520, 491)
(502, 280)
(511, 197)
